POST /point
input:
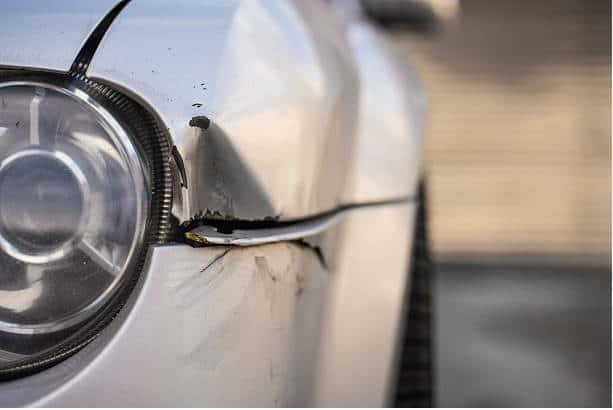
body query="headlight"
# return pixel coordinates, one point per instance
(75, 215)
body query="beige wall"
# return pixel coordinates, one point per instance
(518, 146)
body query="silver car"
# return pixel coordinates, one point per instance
(209, 203)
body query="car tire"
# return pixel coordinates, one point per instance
(415, 376)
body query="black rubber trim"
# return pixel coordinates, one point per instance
(93, 41)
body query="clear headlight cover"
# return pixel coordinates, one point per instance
(73, 207)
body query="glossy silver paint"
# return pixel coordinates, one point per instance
(47, 35)
(295, 96)
(275, 78)
(309, 111)
(296, 131)
(388, 139)
(232, 326)
(364, 311)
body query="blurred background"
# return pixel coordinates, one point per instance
(518, 158)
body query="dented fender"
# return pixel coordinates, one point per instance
(265, 325)
(275, 79)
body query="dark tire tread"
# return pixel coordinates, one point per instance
(415, 378)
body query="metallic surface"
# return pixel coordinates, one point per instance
(210, 326)
(279, 83)
(287, 85)
(291, 231)
(388, 138)
(299, 127)
(274, 77)
(364, 309)
(206, 234)
(47, 34)
(231, 326)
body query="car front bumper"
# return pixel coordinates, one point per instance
(270, 325)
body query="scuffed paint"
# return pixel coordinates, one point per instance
(210, 327)
(257, 303)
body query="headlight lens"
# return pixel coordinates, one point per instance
(74, 200)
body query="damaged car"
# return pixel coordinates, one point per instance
(209, 203)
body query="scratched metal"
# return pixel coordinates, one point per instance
(204, 320)
(285, 85)
(249, 326)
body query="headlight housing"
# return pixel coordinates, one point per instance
(85, 187)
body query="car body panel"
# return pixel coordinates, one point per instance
(274, 77)
(388, 140)
(294, 93)
(47, 35)
(270, 325)
(296, 112)
(365, 306)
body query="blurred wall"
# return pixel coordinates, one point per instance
(518, 150)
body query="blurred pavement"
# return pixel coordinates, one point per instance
(522, 336)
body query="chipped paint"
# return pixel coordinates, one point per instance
(202, 231)
(238, 301)
(200, 121)
(253, 326)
